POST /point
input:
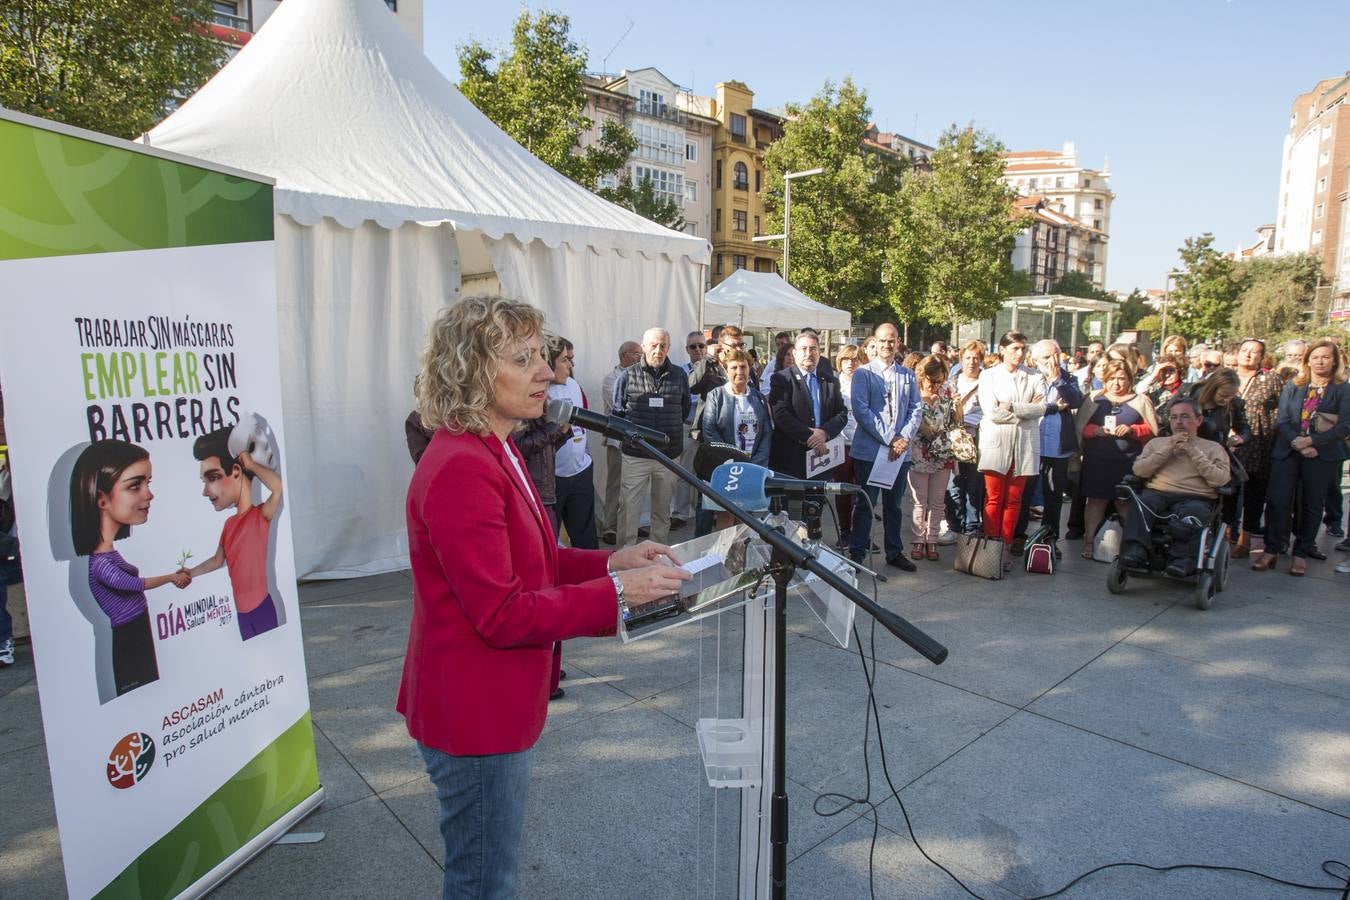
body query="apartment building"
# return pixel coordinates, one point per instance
(238, 20)
(1080, 193)
(914, 152)
(675, 138)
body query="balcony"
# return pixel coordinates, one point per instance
(738, 138)
(662, 111)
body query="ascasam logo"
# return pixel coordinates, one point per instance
(130, 760)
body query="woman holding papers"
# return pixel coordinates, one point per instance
(492, 590)
(1013, 401)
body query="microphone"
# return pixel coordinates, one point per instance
(751, 486)
(564, 412)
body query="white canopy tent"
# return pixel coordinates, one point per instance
(393, 191)
(764, 300)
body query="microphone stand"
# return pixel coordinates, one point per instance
(788, 556)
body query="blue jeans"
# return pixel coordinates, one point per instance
(10, 573)
(860, 541)
(482, 816)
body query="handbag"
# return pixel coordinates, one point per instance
(960, 445)
(979, 555)
(1040, 555)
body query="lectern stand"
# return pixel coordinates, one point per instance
(736, 688)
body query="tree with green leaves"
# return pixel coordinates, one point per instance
(1279, 295)
(1133, 310)
(840, 218)
(534, 92)
(115, 66)
(954, 228)
(641, 198)
(1207, 291)
(1078, 284)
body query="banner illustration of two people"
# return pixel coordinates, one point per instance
(110, 492)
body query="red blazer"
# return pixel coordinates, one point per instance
(492, 591)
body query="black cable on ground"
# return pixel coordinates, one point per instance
(872, 716)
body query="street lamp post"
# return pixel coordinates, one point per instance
(1167, 297)
(787, 215)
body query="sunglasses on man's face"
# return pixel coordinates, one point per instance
(695, 346)
(1209, 365)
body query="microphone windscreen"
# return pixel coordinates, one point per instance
(559, 410)
(744, 483)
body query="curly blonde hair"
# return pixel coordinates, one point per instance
(463, 352)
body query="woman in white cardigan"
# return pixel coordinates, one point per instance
(1013, 401)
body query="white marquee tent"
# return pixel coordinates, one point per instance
(394, 194)
(765, 300)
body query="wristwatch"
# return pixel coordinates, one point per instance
(624, 612)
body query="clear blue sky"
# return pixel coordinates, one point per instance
(1189, 99)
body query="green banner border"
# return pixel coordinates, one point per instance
(64, 191)
(272, 784)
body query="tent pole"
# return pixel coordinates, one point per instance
(702, 294)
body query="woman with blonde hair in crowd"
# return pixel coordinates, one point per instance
(1311, 431)
(965, 497)
(930, 458)
(1113, 426)
(851, 357)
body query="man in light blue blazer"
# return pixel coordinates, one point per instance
(886, 406)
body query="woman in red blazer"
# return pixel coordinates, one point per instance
(492, 590)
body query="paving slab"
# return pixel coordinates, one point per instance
(342, 784)
(355, 630)
(30, 847)
(839, 867)
(20, 718)
(355, 710)
(1035, 803)
(16, 676)
(1272, 736)
(366, 853)
(1252, 641)
(330, 589)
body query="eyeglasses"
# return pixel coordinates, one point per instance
(1209, 365)
(695, 346)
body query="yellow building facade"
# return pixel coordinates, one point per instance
(743, 134)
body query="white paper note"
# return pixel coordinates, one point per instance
(885, 469)
(833, 456)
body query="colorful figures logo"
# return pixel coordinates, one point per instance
(130, 760)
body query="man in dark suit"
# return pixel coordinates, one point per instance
(807, 409)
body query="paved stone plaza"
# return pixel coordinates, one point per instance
(1069, 728)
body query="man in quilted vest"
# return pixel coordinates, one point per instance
(653, 393)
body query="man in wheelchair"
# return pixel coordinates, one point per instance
(1182, 474)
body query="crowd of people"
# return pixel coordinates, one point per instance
(996, 440)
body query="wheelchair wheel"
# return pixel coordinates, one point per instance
(1221, 563)
(1204, 591)
(1116, 576)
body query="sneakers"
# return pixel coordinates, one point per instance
(7, 652)
(1344, 545)
(1343, 568)
(947, 537)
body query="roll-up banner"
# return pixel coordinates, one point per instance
(141, 378)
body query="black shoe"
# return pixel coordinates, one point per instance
(608, 537)
(1343, 546)
(557, 695)
(1019, 546)
(1134, 561)
(562, 674)
(857, 557)
(678, 523)
(1336, 531)
(1073, 534)
(902, 563)
(644, 533)
(1314, 553)
(1180, 568)
(842, 543)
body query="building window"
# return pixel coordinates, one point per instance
(763, 265)
(651, 103)
(718, 267)
(1321, 208)
(1097, 204)
(690, 152)
(659, 144)
(1326, 133)
(690, 228)
(717, 220)
(757, 225)
(738, 217)
(1087, 182)
(717, 176)
(738, 128)
(1059, 181)
(691, 192)
(609, 182)
(759, 181)
(1321, 184)
(740, 177)
(668, 186)
(1097, 224)
(737, 262)
(1317, 236)
(1032, 184)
